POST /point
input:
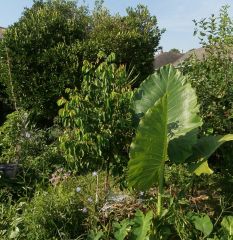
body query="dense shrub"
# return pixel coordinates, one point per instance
(34, 150)
(13, 132)
(134, 38)
(97, 118)
(47, 45)
(5, 103)
(212, 77)
(64, 211)
(41, 60)
(56, 213)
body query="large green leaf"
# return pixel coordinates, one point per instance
(182, 108)
(227, 224)
(155, 86)
(179, 149)
(181, 98)
(203, 224)
(169, 108)
(148, 151)
(203, 149)
(201, 167)
(142, 225)
(122, 229)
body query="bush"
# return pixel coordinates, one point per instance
(98, 119)
(213, 79)
(41, 58)
(13, 132)
(5, 104)
(64, 211)
(34, 150)
(213, 76)
(46, 48)
(134, 38)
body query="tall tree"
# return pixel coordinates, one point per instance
(48, 44)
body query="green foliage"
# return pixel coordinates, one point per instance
(137, 228)
(203, 224)
(97, 118)
(21, 141)
(13, 132)
(5, 106)
(212, 75)
(42, 60)
(133, 37)
(142, 225)
(93, 235)
(203, 149)
(165, 100)
(65, 210)
(7, 213)
(34, 151)
(46, 48)
(167, 130)
(122, 229)
(58, 213)
(46, 200)
(169, 106)
(227, 225)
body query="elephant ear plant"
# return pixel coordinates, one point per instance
(167, 107)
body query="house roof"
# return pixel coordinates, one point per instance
(166, 58)
(199, 53)
(177, 58)
(2, 29)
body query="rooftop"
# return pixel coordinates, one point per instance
(2, 29)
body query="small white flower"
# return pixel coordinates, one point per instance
(141, 193)
(78, 189)
(27, 135)
(90, 200)
(94, 174)
(84, 210)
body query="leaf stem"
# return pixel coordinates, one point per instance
(160, 192)
(164, 157)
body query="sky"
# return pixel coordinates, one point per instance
(174, 15)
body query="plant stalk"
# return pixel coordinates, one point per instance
(160, 193)
(97, 190)
(161, 173)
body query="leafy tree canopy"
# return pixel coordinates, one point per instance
(47, 46)
(212, 76)
(175, 50)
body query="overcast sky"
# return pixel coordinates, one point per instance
(174, 15)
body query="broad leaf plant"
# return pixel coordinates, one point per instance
(167, 108)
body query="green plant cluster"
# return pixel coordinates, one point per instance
(45, 49)
(211, 75)
(5, 103)
(98, 118)
(64, 211)
(98, 159)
